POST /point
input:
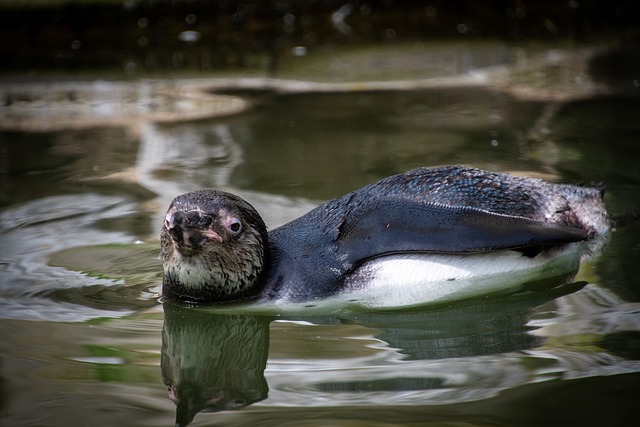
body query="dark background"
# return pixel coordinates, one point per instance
(142, 37)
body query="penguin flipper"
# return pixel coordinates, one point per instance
(398, 226)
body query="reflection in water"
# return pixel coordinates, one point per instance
(213, 362)
(441, 333)
(450, 354)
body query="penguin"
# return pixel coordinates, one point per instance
(215, 247)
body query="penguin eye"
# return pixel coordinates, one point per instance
(235, 226)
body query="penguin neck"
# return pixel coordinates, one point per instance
(210, 277)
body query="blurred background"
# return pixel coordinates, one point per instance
(119, 38)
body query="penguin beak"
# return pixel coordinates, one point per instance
(188, 232)
(173, 220)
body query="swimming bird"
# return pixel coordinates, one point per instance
(441, 221)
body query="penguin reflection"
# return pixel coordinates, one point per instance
(212, 362)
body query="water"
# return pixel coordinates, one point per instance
(88, 170)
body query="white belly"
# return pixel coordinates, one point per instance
(401, 281)
(406, 280)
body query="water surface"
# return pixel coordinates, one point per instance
(89, 169)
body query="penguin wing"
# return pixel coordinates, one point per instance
(399, 226)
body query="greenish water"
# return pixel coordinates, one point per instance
(88, 170)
